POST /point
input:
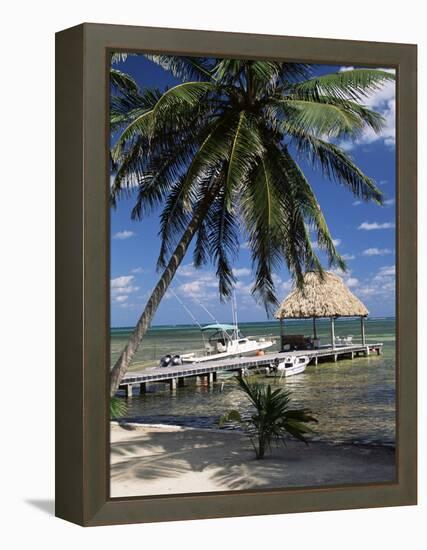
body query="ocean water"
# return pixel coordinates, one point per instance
(354, 401)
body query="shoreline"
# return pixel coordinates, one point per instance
(177, 427)
(149, 459)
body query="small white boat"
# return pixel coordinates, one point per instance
(226, 341)
(292, 365)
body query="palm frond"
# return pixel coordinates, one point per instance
(354, 84)
(223, 242)
(321, 119)
(246, 149)
(186, 94)
(311, 209)
(183, 67)
(122, 82)
(261, 209)
(336, 165)
(226, 70)
(119, 57)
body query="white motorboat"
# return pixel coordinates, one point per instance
(220, 341)
(225, 341)
(292, 364)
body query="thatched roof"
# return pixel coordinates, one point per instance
(321, 298)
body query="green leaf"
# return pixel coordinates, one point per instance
(353, 84)
(123, 82)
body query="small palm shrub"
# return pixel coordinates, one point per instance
(118, 407)
(273, 419)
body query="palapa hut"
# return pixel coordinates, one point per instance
(321, 298)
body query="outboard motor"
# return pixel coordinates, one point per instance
(165, 361)
(176, 360)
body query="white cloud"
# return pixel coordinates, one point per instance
(351, 282)
(187, 270)
(139, 270)
(122, 285)
(381, 287)
(367, 226)
(245, 245)
(122, 298)
(119, 282)
(121, 235)
(241, 272)
(357, 203)
(387, 271)
(348, 256)
(377, 252)
(336, 242)
(389, 202)
(343, 69)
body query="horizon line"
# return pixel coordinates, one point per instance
(251, 322)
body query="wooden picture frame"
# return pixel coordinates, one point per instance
(82, 263)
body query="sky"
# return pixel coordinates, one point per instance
(364, 234)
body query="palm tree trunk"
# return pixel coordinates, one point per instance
(122, 364)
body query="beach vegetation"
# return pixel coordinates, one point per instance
(118, 407)
(273, 418)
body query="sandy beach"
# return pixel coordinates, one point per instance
(156, 460)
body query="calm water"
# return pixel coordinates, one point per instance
(354, 401)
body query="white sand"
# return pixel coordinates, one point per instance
(156, 460)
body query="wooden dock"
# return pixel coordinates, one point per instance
(207, 371)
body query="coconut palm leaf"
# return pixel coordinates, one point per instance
(355, 84)
(322, 119)
(183, 67)
(122, 82)
(223, 241)
(311, 208)
(337, 166)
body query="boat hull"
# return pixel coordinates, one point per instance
(292, 366)
(291, 371)
(257, 346)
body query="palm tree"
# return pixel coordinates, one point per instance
(273, 419)
(218, 154)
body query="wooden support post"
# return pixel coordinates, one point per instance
(172, 384)
(352, 355)
(143, 387)
(210, 378)
(362, 330)
(181, 382)
(335, 356)
(368, 351)
(129, 391)
(333, 332)
(314, 329)
(316, 360)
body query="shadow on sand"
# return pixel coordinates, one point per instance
(227, 461)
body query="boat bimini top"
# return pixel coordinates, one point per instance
(219, 327)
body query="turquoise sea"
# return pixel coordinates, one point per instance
(354, 401)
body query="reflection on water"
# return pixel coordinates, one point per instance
(354, 401)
